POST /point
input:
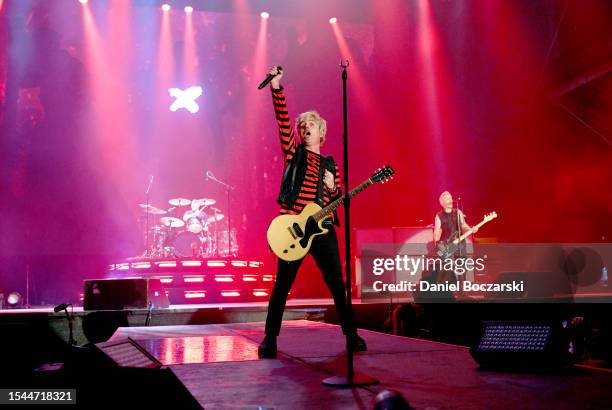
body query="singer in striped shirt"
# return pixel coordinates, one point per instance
(311, 127)
(307, 177)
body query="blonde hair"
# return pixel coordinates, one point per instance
(442, 195)
(316, 117)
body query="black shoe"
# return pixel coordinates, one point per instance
(357, 343)
(267, 349)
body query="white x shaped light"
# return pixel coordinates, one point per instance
(185, 99)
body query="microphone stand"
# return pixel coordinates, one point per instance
(352, 379)
(228, 189)
(64, 307)
(459, 224)
(147, 250)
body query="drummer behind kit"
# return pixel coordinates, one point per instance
(196, 234)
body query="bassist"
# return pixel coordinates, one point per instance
(449, 224)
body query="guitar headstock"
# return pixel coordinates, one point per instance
(383, 174)
(490, 216)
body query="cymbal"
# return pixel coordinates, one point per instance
(171, 222)
(150, 209)
(179, 201)
(197, 203)
(215, 218)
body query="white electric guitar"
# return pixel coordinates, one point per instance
(290, 236)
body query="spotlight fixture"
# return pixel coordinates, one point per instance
(333, 20)
(14, 300)
(83, 1)
(265, 15)
(188, 9)
(165, 7)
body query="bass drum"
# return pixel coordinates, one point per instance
(223, 244)
(187, 244)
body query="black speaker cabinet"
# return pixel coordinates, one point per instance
(118, 294)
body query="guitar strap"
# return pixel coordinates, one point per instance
(327, 163)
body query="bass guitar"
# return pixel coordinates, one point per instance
(445, 249)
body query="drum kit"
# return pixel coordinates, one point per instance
(190, 228)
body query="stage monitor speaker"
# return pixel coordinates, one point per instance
(119, 294)
(128, 353)
(525, 345)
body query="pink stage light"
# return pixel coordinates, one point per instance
(262, 293)
(230, 293)
(265, 15)
(193, 279)
(333, 20)
(83, 1)
(165, 7)
(188, 9)
(224, 278)
(141, 265)
(193, 294)
(191, 263)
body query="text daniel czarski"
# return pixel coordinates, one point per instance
(466, 286)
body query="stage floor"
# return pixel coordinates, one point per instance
(218, 365)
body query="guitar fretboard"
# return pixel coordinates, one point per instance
(332, 207)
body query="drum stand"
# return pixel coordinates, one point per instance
(147, 252)
(228, 189)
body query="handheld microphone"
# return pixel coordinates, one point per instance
(268, 78)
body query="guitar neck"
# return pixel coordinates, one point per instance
(471, 230)
(332, 207)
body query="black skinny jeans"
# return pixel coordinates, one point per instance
(325, 252)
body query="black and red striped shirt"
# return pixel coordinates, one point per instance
(308, 190)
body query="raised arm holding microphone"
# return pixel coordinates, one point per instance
(308, 177)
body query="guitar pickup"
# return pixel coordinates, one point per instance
(298, 231)
(291, 233)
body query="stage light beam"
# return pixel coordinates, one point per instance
(165, 7)
(188, 9)
(333, 20)
(265, 15)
